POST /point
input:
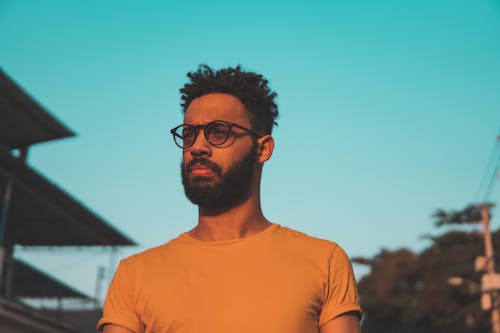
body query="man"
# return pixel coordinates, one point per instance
(235, 272)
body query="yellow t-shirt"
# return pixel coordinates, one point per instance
(277, 281)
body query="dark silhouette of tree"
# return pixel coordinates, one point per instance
(408, 292)
(470, 215)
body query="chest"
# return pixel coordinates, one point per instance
(233, 293)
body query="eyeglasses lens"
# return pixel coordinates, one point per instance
(188, 136)
(217, 133)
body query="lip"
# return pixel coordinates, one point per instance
(201, 170)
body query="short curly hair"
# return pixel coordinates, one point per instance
(249, 87)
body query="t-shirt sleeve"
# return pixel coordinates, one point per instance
(119, 306)
(341, 295)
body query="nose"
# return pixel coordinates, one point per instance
(201, 147)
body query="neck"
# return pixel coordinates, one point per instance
(237, 222)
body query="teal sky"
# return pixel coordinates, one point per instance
(389, 110)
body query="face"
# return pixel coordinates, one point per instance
(219, 177)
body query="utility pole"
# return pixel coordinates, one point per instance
(475, 214)
(490, 268)
(101, 274)
(490, 280)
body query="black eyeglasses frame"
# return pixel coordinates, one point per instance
(197, 128)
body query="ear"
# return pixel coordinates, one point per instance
(265, 147)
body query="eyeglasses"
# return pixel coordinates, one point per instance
(216, 132)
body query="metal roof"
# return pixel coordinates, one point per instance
(28, 281)
(42, 214)
(18, 317)
(23, 121)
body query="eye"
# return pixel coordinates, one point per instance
(218, 133)
(187, 132)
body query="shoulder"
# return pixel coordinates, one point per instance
(301, 239)
(156, 255)
(322, 251)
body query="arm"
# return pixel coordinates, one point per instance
(120, 311)
(110, 328)
(346, 323)
(341, 312)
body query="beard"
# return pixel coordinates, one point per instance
(232, 189)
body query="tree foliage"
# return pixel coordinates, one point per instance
(469, 215)
(408, 292)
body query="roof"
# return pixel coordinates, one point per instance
(28, 281)
(23, 121)
(84, 320)
(42, 214)
(21, 318)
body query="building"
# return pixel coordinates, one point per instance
(34, 212)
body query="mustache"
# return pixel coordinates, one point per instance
(203, 161)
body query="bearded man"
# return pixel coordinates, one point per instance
(235, 271)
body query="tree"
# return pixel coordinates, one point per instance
(408, 292)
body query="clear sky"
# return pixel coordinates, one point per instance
(389, 110)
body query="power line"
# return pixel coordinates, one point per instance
(490, 173)
(492, 179)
